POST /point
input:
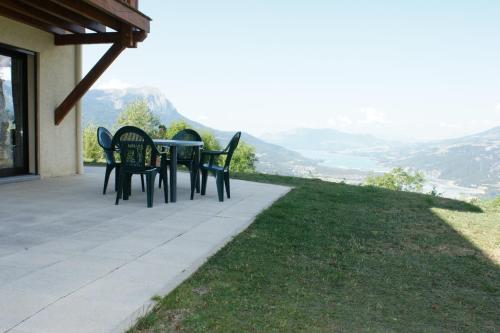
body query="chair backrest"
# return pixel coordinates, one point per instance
(137, 150)
(186, 153)
(104, 139)
(231, 147)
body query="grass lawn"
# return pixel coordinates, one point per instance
(334, 257)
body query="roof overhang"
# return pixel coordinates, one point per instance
(72, 22)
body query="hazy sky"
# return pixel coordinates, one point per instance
(402, 69)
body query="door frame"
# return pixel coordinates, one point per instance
(20, 54)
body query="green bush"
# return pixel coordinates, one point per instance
(92, 152)
(244, 158)
(175, 127)
(139, 115)
(399, 180)
(209, 141)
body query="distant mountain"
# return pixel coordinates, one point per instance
(326, 139)
(472, 161)
(102, 107)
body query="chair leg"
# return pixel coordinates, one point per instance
(109, 168)
(160, 178)
(191, 179)
(117, 176)
(192, 176)
(150, 184)
(164, 178)
(142, 182)
(198, 179)
(196, 186)
(127, 186)
(121, 179)
(204, 178)
(226, 183)
(220, 185)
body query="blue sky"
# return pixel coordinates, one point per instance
(406, 70)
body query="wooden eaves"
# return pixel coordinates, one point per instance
(117, 22)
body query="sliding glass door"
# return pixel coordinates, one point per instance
(13, 113)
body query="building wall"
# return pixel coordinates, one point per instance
(57, 75)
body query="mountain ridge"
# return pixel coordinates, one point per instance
(472, 160)
(103, 106)
(327, 139)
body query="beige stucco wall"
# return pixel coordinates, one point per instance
(57, 74)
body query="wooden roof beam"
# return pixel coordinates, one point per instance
(28, 20)
(64, 13)
(42, 16)
(86, 83)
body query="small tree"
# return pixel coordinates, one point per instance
(175, 127)
(399, 180)
(92, 152)
(139, 115)
(209, 141)
(244, 158)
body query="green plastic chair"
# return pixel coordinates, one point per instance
(138, 155)
(104, 139)
(221, 172)
(187, 156)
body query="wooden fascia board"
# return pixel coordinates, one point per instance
(97, 38)
(123, 12)
(90, 12)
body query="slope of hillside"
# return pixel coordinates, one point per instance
(472, 161)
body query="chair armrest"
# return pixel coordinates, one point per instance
(161, 149)
(213, 152)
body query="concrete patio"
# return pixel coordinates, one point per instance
(72, 261)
